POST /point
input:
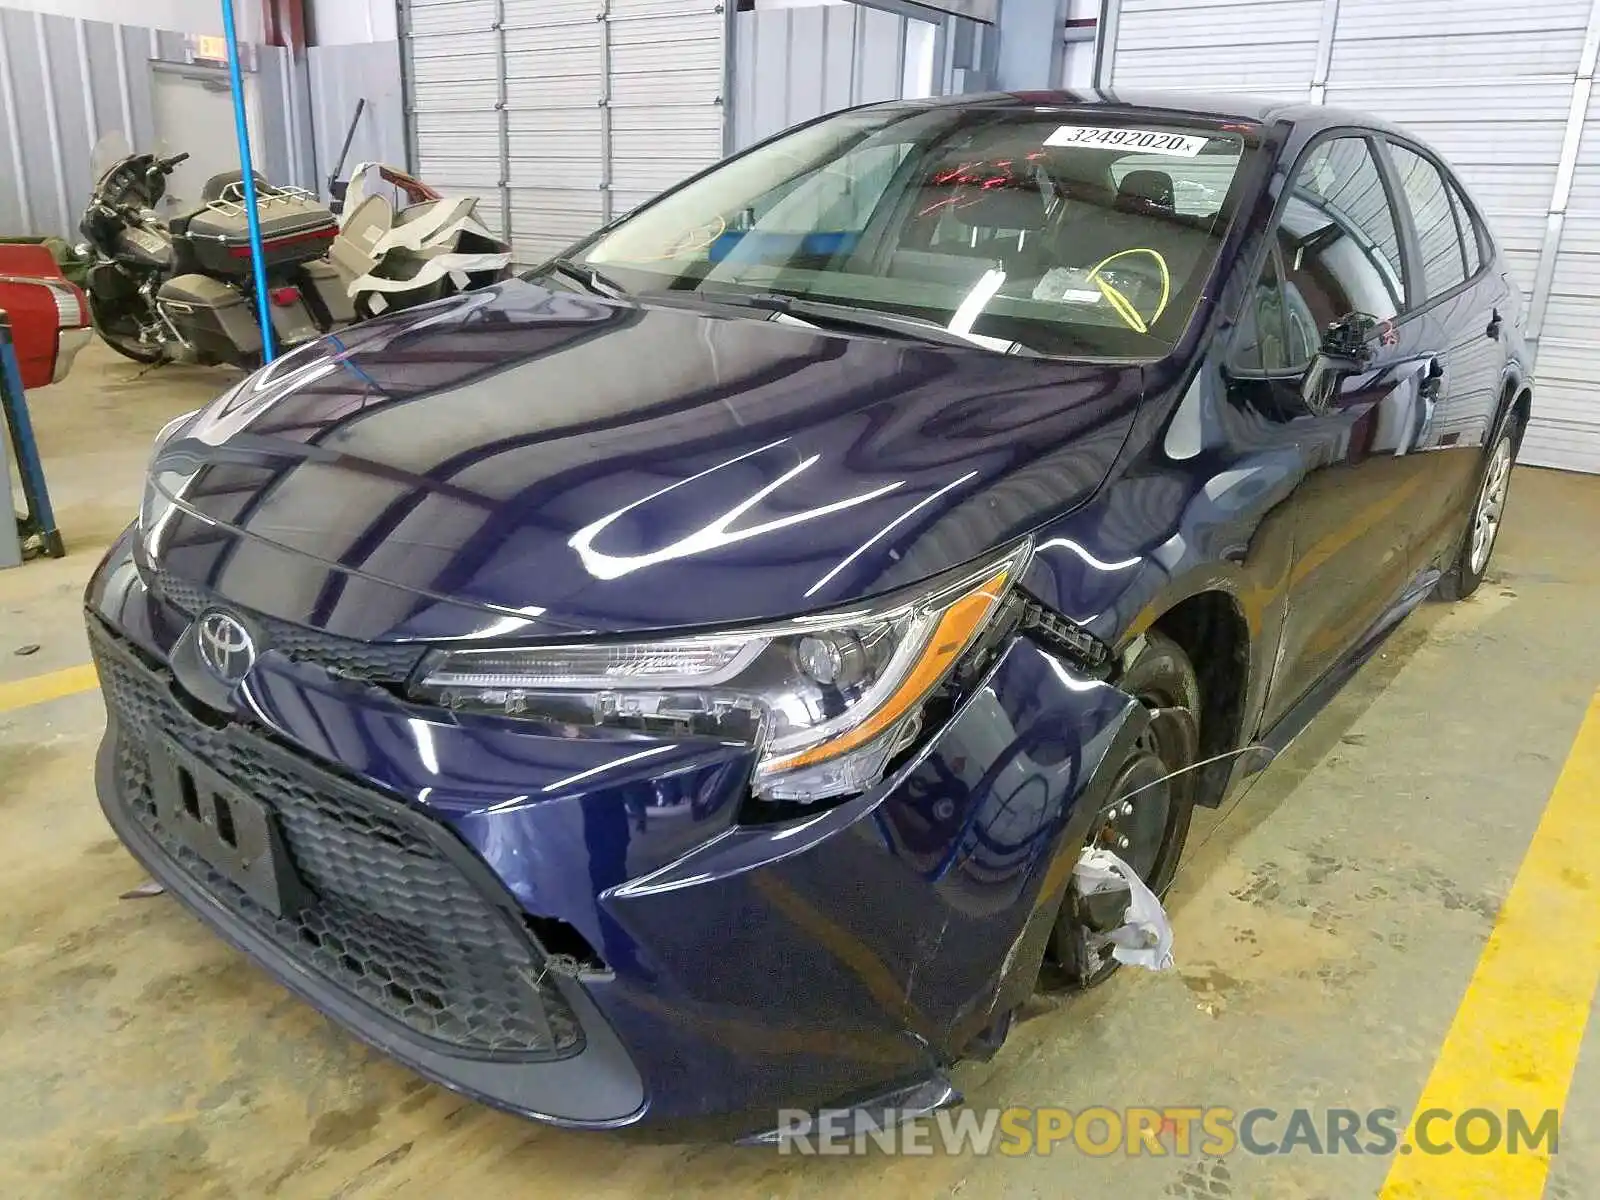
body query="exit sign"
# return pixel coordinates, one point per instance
(212, 49)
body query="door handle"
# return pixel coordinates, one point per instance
(1494, 325)
(1429, 389)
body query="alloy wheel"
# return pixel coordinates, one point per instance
(1491, 506)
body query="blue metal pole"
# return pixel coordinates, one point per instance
(252, 214)
(14, 404)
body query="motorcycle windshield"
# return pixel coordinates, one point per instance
(179, 191)
(109, 151)
(124, 177)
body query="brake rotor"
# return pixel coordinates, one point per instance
(1132, 827)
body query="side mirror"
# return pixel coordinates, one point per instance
(1345, 351)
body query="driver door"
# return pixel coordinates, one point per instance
(1355, 510)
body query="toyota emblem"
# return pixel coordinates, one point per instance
(225, 646)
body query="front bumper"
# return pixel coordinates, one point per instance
(411, 943)
(744, 968)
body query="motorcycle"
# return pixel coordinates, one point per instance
(181, 288)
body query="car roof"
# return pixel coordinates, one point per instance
(1222, 106)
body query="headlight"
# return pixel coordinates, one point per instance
(827, 700)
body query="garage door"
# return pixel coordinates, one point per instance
(1502, 90)
(562, 113)
(1569, 343)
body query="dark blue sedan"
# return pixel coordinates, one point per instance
(679, 684)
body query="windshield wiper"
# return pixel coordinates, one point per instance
(826, 314)
(591, 278)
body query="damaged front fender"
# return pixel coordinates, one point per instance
(876, 941)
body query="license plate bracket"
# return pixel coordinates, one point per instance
(234, 833)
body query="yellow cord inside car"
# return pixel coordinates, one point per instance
(1124, 307)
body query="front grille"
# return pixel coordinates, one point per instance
(395, 920)
(375, 662)
(188, 598)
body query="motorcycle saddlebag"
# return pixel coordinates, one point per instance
(328, 293)
(295, 228)
(213, 318)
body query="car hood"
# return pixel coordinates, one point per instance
(533, 461)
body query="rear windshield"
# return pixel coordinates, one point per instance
(1062, 232)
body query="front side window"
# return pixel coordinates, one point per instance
(1339, 239)
(1077, 233)
(1444, 264)
(1258, 346)
(1277, 333)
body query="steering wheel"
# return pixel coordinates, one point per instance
(1124, 307)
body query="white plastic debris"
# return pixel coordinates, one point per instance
(1067, 285)
(1144, 939)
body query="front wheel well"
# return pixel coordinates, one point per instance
(1212, 632)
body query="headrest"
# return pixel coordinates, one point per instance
(1003, 208)
(1143, 191)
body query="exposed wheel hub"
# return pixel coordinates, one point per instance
(1138, 827)
(1133, 826)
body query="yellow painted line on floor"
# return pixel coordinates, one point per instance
(39, 688)
(1514, 1042)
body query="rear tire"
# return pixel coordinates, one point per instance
(1483, 518)
(114, 333)
(1151, 836)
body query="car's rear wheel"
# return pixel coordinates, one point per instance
(1148, 822)
(1471, 563)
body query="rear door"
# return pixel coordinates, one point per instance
(1467, 307)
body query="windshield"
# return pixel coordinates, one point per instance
(133, 185)
(1063, 232)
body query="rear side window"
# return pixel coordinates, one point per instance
(1444, 262)
(1469, 231)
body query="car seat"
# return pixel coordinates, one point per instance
(1147, 193)
(1000, 223)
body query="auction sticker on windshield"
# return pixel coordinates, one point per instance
(1150, 141)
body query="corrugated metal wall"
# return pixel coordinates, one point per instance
(65, 82)
(1232, 45)
(795, 63)
(1504, 91)
(1568, 431)
(341, 75)
(668, 116)
(563, 113)
(287, 153)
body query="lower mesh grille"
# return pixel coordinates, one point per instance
(394, 920)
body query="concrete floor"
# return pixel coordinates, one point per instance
(1327, 926)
